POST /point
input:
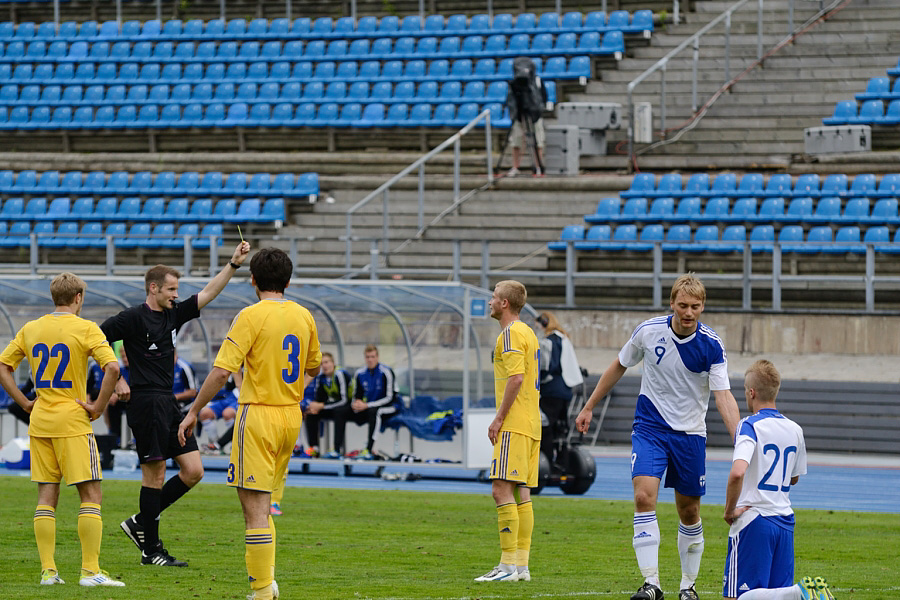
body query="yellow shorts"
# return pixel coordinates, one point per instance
(264, 438)
(516, 459)
(75, 459)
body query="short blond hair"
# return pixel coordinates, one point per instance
(371, 348)
(691, 285)
(65, 287)
(763, 377)
(513, 292)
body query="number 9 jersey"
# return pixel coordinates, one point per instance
(678, 374)
(57, 347)
(276, 341)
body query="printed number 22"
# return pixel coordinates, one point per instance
(42, 352)
(292, 345)
(785, 480)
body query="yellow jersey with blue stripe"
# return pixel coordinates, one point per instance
(57, 347)
(516, 353)
(276, 340)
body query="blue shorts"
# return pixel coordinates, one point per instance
(761, 555)
(219, 406)
(680, 456)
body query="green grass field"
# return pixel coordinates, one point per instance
(346, 544)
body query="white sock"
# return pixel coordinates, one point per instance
(690, 549)
(209, 428)
(646, 545)
(522, 568)
(507, 568)
(786, 593)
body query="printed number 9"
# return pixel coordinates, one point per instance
(660, 352)
(292, 345)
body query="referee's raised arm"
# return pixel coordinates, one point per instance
(218, 283)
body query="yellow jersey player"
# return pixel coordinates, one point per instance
(515, 432)
(57, 347)
(277, 342)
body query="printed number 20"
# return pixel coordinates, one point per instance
(42, 352)
(785, 480)
(292, 345)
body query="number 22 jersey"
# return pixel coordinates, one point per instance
(276, 341)
(57, 347)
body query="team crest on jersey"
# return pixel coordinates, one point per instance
(703, 481)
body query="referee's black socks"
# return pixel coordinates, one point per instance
(150, 505)
(174, 489)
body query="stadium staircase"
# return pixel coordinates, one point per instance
(759, 125)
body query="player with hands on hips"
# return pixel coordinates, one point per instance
(683, 361)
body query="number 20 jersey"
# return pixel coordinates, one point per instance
(57, 347)
(678, 374)
(276, 341)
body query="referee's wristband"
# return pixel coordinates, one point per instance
(234, 265)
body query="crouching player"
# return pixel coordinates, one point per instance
(769, 457)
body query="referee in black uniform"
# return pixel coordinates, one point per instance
(148, 332)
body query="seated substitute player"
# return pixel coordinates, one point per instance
(277, 342)
(515, 432)
(333, 388)
(185, 387)
(376, 398)
(57, 347)
(223, 406)
(683, 360)
(769, 458)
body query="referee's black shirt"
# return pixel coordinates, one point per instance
(149, 340)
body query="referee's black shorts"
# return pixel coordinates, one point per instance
(154, 418)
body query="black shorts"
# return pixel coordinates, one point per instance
(154, 418)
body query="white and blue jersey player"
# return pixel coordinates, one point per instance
(683, 361)
(769, 458)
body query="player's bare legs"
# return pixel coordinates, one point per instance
(260, 543)
(646, 536)
(690, 543)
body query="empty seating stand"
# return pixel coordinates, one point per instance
(79, 210)
(803, 215)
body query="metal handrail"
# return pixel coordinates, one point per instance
(694, 43)
(419, 164)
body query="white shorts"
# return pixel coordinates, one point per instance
(517, 134)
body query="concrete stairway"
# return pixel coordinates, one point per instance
(759, 124)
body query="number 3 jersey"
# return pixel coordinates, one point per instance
(276, 341)
(678, 374)
(57, 347)
(774, 448)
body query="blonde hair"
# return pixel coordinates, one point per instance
(370, 348)
(513, 292)
(65, 287)
(691, 285)
(763, 377)
(550, 323)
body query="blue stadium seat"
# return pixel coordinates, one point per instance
(834, 185)
(762, 238)
(82, 208)
(622, 236)
(791, 238)
(880, 237)
(26, 182)
(358, 92)
(744, 209)
(642, 184)
(634, 209)
(676, 237)
(807, 185)
(751, 185)
(420, 114)
(771, 210)
(847, 239)
(877, 87)
(152, 210)
(778, 185)
(818, 239)
(662, 209)
(724, 184)
(90, 236)
(607, 210)
(185, 229)
(48, 181)
(856, 211)
(595, 237)
(200, 210)
(827, 210)
(247, 212)
(862, 185)
(17, 235)
(235, 184)
(211, 183)
(870, 113)
(688, 209)
(669, 185)
(65, 237)
(58, 210)
(884, 212)
(696, 185)
(892, 113)
(569, 233)
(13, 209)
(844, 113)
(889, 186)
(650, 233)
(455, 24)
(799, 210)
(733, 238)
(716, 209)
(397, 114)
(138, 235)
(705, 237)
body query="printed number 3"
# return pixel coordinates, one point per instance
(44, 353)
(230, 473)
(292, 345)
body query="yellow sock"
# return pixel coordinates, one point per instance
(526, 527)
(45, 535)
(508, 524)
(260, 555)
(90, 531)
